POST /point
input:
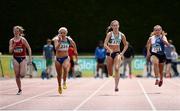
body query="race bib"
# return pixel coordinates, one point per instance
(64, 46)
(18, 50)
(156, 49)
(115, 42)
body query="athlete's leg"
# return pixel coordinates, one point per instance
(23, 68)
(109, 61)
(161, 66)
(17, 73)
(155, 62)
(65, 65)
(59, 75)
(117, 62)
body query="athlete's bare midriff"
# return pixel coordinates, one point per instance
(114, 48)
(60, 54)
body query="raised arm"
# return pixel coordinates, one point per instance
(56, 43)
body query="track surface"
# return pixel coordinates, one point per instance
(91, 94)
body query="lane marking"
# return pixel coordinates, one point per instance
(24, 86)
(30, 98)
(146, 95)
(89, 97)
(27, 99)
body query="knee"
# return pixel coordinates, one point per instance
(18, 76)
(116, 69)
(156, 64)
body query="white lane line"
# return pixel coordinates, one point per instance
(176, 84)
(24, 86)
(24, 100)
(147, 97)
(89, 97)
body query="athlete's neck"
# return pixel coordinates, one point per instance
(116, 32)
(158, 35)
(63, 37)
(17, 37)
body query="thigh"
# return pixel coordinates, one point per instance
(66, 63)
(23, 67)
(109, 62)
(117, 60)
(16, 67)
(154, 59)
(58, 67)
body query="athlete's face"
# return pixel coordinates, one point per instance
(115, 26)
(157, 31)
(63, 33)
(16, 32)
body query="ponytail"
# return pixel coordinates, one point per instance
(109, 29)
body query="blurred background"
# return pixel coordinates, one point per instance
(87, 21)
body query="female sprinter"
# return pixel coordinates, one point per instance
(17, 46)
(155, 52)
(62, 43)
(114, 56)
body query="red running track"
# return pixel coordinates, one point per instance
(91, 94)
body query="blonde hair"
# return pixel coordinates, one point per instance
(158, 27)
(20, 28)
(112, 22)
(63, 28)
(109, 28)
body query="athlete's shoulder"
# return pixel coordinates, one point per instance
(69, 38)
(109, 34)
(56, 38)
(12, 39)
(122, 34)
(152, 37)
(23, 38)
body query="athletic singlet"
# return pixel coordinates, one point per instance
(64, 45)
(157, 45)
(19, 49)
(115, 40)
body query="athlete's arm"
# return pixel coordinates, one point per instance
(74, 45)
(164, 38)
(29, 49)
(11, 47)
(148, 45)
(56, 43)
(125, 44)
(106, 42)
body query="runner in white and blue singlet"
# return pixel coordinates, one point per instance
(155, 52)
